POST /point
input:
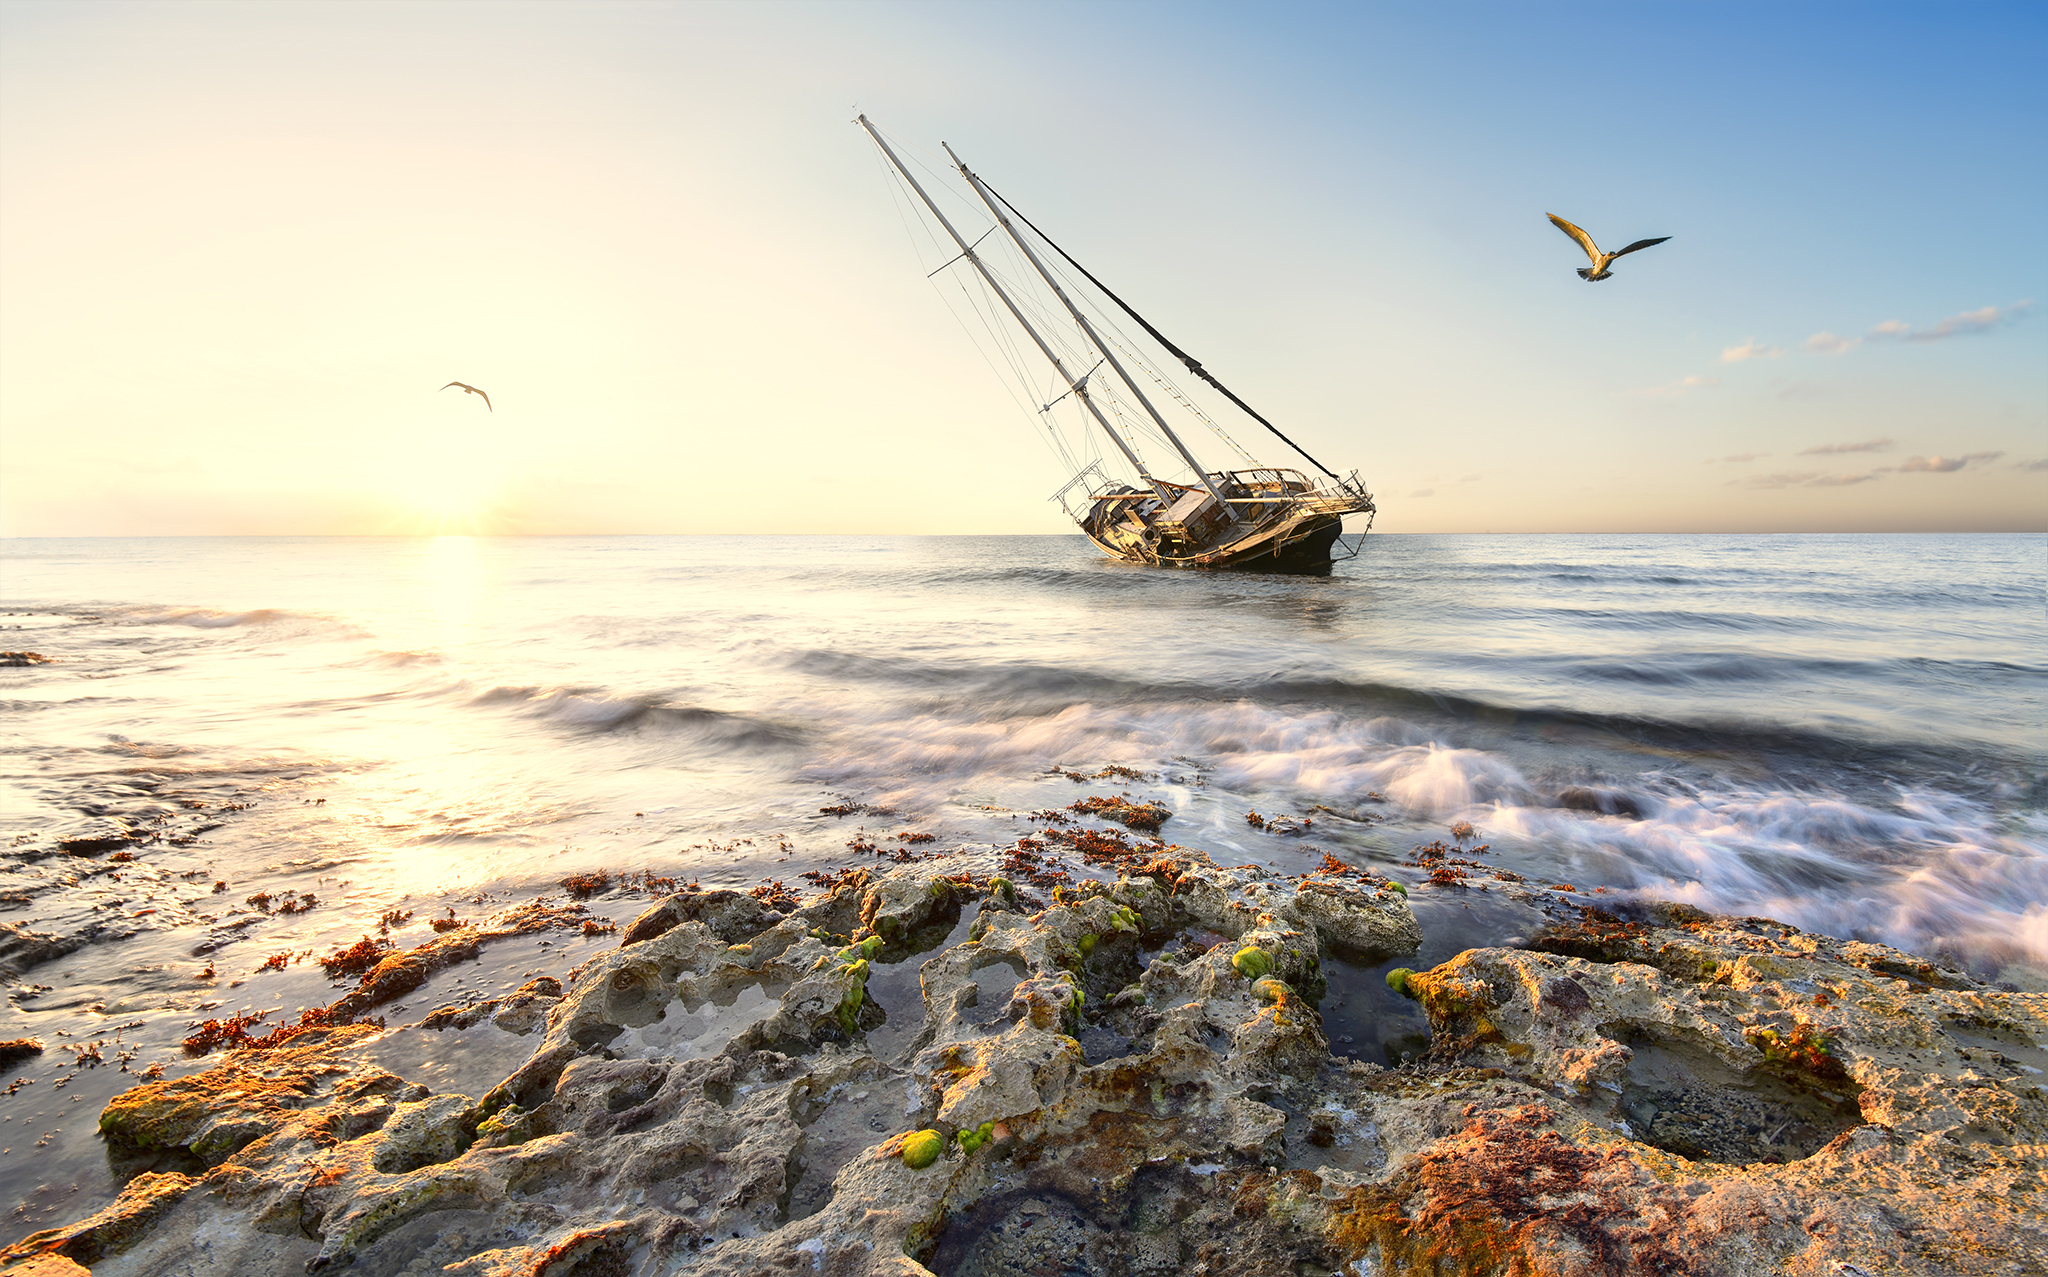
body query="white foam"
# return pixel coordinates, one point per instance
(1252, 747)
(1933, 876)
(1928, 872)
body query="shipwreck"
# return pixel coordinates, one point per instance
(1257, 518)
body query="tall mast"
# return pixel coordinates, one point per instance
(1078, 386)
(1088, 328)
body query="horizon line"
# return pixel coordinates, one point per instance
(535, 536)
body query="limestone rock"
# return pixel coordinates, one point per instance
(214, 1114)
(408, 969)
(1108, 1092)
(732, 916)
(1347, 916)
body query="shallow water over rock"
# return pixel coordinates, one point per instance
(451, 1061)
(1688, 1101)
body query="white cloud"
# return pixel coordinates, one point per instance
(2039, 464)
(1822, 449)
(1948, 465)
(1421, 492)
(1750, 350)
(1739, 456)
(1804, 479)
(1825, 343)
(1963, 325)
(1783, 479)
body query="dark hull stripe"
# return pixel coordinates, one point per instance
(1307, 553)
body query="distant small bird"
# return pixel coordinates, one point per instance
(1600, 260)
(487, 399)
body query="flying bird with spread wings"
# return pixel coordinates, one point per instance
(1600, 260)
(472, 390)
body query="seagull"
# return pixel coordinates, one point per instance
(487, 399)
(1600, 260)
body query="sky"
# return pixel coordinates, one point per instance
(244, 245)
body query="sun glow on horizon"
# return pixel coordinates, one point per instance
(450, 481)
(446, 510)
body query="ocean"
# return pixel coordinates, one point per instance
(1842, 732)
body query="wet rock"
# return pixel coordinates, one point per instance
(732, 916)
(425, 1133)
(142, 1205)
(214, 1114)
(466, 1015)
(1605, 802)
(1744, 1043)
(402, 972)
(13, 1052)
(522, 1011)
(49, 1266)
(92, 846)
(699, 1103)
(1375, 923)
(526, 1008)
(22, 949)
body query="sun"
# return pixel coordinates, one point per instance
(446, 489)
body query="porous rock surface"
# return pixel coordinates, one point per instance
(1131, 1079)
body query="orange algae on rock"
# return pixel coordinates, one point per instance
(1509, 1195)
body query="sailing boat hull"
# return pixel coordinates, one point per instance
(1302, 548)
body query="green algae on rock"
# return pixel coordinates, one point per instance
(922, 1149)
(1267, 989)
(1252, 962)
(973, 1139)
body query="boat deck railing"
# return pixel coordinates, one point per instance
(1094, 485)
(1255, 496)
(1259, 493)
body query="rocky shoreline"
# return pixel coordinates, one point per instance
(1125, 1076)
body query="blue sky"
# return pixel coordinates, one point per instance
(246, 242)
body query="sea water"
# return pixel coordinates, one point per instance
(1841, 732)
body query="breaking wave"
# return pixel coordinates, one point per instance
(599, 712)
(1929, 871)
(1933, 874)
(201, 618)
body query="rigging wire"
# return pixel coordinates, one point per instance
(1026, 303)
(1193, 364)
(900, 199)
(1118, 339)
(984, 306)
(1057, 327)
(1060, 321)
(1125, 343)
